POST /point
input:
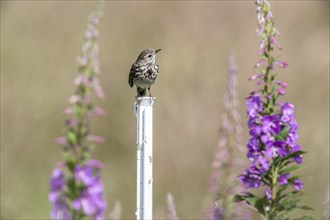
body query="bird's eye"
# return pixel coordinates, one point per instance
(149, 55)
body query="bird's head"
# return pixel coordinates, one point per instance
(148, 56)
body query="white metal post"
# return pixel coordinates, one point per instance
(143, 112)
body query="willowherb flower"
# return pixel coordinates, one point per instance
(79, 193)
(56, 196)
(272, 148)
(223, 182)
(171, 207)
(90, 201)
(217, 212)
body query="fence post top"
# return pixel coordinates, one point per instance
(145, 101)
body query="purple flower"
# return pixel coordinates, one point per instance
(82, 60)
(253, 105)
(281, 92)
(84, 177)
(60, 209)
(74, 99)
(217, 212)
(56, 196)
(222, 182)
(251, 178)
(271, 152)
(96, 138)
(283, 179)
(56, 184)
(98, 111)
(281, 148)
(90, 200)
(255, 130)
(297, 184)
(287, 112)
(82, 79)
(255, 76)
(258, 64)
(68, 110)
(84, 174)
(253, 144)
(270, 124)
(268, 193)
(282, 64)
(71, 122)
(282, 84)
(60, 140)
(275, 42)
(267, 139)
(264, 164)
(95, 164)
(298, 159)
(98, 89)
(291, 140)
(254, 151)
(270, 15)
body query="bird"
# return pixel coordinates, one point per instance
(144, 72)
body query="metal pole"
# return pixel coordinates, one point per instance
(143, 112)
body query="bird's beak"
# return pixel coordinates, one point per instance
(158, 50)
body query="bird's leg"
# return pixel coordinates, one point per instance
(140, 92)
(137, 93)
(149, 92)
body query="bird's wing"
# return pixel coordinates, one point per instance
(132, 72)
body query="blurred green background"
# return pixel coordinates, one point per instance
(41, 39)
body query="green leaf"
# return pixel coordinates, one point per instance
(253, 200)
(248, 198)
(261, 205)
(283, 134)
(272, 100)
(264, 56)
(293, 206)
(272, 78)
(305, 207)
(266, 178)
(90, 107)
(238, 198)
(69, 162)
(304, 218)
(78, 109)
(71, 193)
(269, 27)
(289, 205)
(271, 92)
(289, 169)
(291, 155)
(289, 195)
(85, 155)
(77, 214)
(281, 189)
(72, 137)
